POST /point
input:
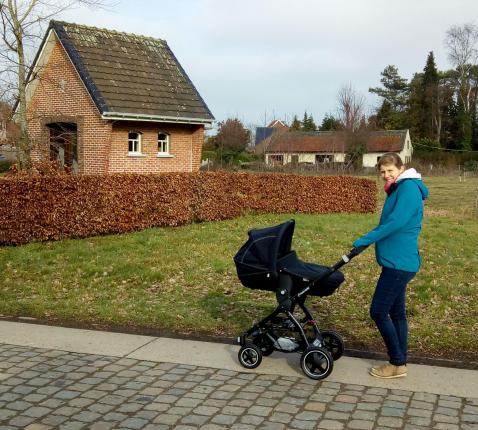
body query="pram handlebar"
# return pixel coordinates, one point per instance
(342, 262)
(346, 258)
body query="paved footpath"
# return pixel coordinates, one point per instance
(68, 387)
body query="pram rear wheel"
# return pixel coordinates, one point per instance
(264, 344)
(250, 356)
(316, 362)
(334, 343)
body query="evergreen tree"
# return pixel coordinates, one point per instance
(430, 104)
(308, 123)
(392, 112)
(395, 90)
(415, 112)
(329, 123)
(296, 124)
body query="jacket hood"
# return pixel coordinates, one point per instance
(409, 174)
(417, 178)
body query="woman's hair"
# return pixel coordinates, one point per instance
(390, 158)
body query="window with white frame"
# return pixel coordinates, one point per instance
(134, 142)
(163, 143)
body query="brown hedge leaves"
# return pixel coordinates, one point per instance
(39, 208)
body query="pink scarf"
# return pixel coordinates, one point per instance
(387, 185)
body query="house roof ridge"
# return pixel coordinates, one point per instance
(91, 27)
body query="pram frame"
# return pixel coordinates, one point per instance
(287, 307)
(296, 299)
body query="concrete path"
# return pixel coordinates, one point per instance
(53, 377)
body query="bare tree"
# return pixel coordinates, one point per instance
(462, 44)
(351, 108)
(351, 116)
(22, 23)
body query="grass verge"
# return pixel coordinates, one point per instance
(183, 279)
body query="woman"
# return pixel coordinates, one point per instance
(396, 250)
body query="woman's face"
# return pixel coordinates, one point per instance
(390, 172)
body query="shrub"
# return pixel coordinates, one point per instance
(5, 166)
(471, 166)
(54, 207)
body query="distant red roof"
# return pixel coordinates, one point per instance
(334, 141)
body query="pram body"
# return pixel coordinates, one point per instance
(267, 262)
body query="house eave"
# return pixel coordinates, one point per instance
(124, 116)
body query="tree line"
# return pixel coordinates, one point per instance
(439, 107)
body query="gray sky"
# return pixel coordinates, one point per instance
(264, 59)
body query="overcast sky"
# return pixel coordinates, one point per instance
(264, 59)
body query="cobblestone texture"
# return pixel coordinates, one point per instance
(45, 389)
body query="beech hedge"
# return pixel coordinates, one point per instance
(41, 208)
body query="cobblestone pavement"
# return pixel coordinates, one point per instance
(47, 389)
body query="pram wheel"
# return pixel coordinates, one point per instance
(334, 343)
(265, 345)
(316, 362)
(250, 356)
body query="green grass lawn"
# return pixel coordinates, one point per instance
(183, 279)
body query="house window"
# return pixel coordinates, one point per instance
(163, 143)
(276, 159)
(322, 158)
(134, 142)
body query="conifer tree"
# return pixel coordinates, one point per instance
(308, 124)
(430, 103)
(296, 124)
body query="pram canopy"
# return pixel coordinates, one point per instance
(268, 252)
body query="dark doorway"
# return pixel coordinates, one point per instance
(64, 144)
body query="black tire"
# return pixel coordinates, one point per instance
(334, 343)
(316, 362)
(264, 344)
(250, 356)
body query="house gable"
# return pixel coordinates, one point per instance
(58, 95)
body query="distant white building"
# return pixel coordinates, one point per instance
(286, 147)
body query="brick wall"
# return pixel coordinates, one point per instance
(60, 96)
(185, 148)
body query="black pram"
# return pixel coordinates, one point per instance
(267, 262)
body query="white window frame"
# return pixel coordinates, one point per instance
(164, 145)
(135, 142)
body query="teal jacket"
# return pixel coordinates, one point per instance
(396, 236)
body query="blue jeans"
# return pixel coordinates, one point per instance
(388, 312)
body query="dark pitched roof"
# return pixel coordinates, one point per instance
(334, 141)
(386, 141)
(130, 74)
(263, 133)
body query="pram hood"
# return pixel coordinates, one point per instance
(267, 253)
(265, 247)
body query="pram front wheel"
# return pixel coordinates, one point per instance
(334, 343)
(250, 356)
(316, 362)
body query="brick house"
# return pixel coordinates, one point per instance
(331, 147)
(103, 102)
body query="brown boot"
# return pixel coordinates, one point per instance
(389, 371)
